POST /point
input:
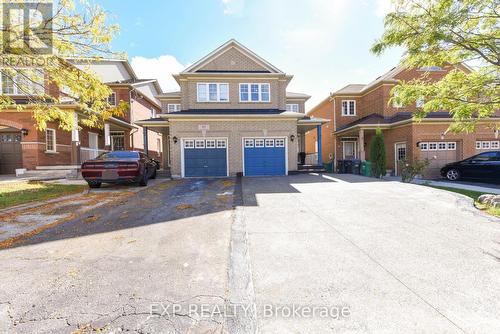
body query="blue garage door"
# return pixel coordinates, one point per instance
(264, 156)
(205, 157)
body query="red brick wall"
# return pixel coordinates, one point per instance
(325, 111)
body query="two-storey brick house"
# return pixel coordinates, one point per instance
(232, 115)
(357, 110)
(22, 145)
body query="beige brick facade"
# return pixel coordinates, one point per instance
(232, 60)
(234, 131)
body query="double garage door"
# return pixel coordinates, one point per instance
(208, 157)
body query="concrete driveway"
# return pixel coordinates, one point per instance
(298, 254)
(401, 258)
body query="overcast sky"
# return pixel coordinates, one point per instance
(323, 43)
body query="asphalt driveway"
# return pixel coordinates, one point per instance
(313, 253)
(401, 258)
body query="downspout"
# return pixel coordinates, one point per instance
(334, 148)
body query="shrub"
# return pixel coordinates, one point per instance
(411, 169)
(377, 154)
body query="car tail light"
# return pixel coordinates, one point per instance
(91, 165)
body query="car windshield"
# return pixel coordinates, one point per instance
(119, 155)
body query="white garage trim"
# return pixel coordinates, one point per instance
(204, 138)
(263, 137)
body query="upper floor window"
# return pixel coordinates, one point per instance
(395, 102)
(348, 108)
(431, 68)
(112, 99)
(172, 107)
(213, 92)
(255, 92)
(22, 82)
(419, 103)
(294, 107)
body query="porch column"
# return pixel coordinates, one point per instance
(75, 142)
(320, 149)
(107, 137)
(361, 145)
(145, 133)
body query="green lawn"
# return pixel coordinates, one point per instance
(474, 195)
(14, 193)
(469, 193)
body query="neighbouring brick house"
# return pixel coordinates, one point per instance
(232, 115)
(22, 145)
(357, 110)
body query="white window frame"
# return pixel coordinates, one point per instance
(213, 143)
(199, 143)
(112, 99)
(478, 145)
(485, 145)
(442, 146)
(221, 143)
(347, 112)
(424, 146)
(248, 143)
(495, 144)
(435, 144)
(279, 142)
(355, 148)
(207, 87)
(249, 88)
(189, 143)
(54, 141)
(293, 107)
(34, 88)
(451, 146)
(269, 142)
(396, 104)
(259, 142)
(173, 107)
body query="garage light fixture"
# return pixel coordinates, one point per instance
(292, 138)
(24, 132)
(175, 140)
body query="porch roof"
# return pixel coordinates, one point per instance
(377, 120)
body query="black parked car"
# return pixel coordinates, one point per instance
(485, 166)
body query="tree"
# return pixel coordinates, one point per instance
(377, 154)
(448, 33)
(73, 30)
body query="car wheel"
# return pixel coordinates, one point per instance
(453, 174)
(153, 176)
(144, 179)
(94, 184)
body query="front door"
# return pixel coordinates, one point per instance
(349, 150)
(400, 154)
(93, 145)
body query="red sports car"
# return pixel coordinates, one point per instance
(119, 167)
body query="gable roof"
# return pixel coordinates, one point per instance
(232, 44)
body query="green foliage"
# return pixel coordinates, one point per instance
(448, 33)
(409, 170)
(377, 154)
(78, 31)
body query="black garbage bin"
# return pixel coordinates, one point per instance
(356, 167)
(302, 158)
(348, 164)
(340, 166)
